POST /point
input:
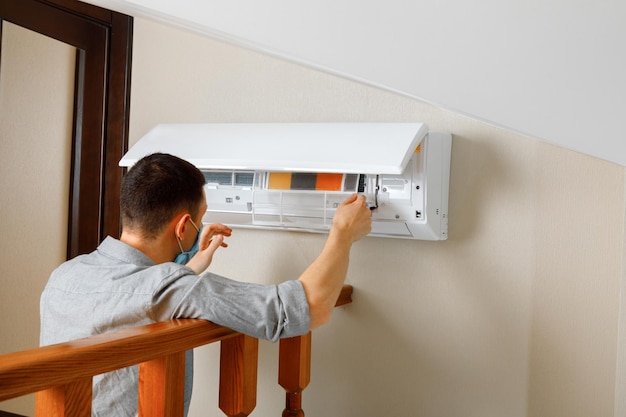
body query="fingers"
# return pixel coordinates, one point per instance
(359, 201)
(215, 243)
(352, 199)
(353, 217)
(355, 203)
(218, 229)
(221, 231)
(356, 199)
(201, 260)
(209, 231)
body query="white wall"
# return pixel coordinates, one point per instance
(517, 314)
(550, 69)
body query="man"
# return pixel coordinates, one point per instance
(133, 281)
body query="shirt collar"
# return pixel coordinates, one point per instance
(116, 249)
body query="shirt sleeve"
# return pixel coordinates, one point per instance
(266, 312)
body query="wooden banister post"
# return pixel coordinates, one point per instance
(238, 375)
(70, 400)
(162, 386)
(294, 364)
(294, 371)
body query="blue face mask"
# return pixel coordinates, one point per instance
(184, 256)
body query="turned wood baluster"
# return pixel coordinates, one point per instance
(238, 374)
(294, 372)
(162, 386)
(70, 400)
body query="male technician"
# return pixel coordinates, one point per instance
(134, 281)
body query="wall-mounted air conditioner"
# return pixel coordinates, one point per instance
(292, 176)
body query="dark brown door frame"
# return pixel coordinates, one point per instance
(103, 39)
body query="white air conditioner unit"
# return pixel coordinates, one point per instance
(292, 176)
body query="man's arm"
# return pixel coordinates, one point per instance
(324, 278)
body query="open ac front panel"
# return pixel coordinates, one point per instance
(410, 205)
(292, 176)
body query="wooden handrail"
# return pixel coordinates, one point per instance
(32, 370)
(66, 369)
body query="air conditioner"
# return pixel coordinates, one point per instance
(292, 176)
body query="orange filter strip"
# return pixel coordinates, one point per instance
(280, 181)
(329, 182)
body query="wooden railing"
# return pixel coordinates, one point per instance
(61, 374)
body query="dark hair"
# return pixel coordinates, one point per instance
(155, 189)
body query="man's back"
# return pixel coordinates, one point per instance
(117, 287)
(98, 293)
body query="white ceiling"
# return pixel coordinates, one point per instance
(552, 69)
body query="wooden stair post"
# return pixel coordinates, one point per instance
(162, 386)
(294, 364)
(68, 400)
(238, 375)
(294, 372)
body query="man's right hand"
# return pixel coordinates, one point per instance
(353, 218)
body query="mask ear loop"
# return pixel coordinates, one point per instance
(180, 246)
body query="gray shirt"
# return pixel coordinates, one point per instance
(117, 286)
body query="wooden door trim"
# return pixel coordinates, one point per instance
(103, 39)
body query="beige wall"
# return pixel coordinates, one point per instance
(517, 314)
(36, 96)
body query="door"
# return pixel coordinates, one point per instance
(64, 104)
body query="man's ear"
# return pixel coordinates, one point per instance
(179, 226)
